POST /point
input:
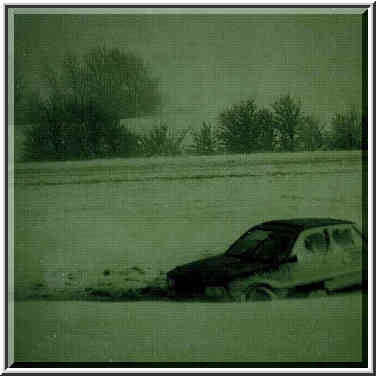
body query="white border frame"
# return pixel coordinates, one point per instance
(370, 191)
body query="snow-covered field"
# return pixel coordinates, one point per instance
(117, 225)
(316, 330)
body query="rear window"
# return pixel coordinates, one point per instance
(343, 237)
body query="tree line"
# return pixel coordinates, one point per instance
(246, 128)
(79, 116)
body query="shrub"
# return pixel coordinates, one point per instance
(346, 131)
(311, 134)
(238, 128)
(204, 140)
(161, 140)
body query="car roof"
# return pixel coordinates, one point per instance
(300, 224)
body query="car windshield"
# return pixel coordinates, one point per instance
(257, 245)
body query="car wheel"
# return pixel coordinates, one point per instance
(319, 293)
(216, 292)
(257, 294)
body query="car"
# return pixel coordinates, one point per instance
(279, 258)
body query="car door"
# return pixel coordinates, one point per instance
(313, 250)
(309, 261)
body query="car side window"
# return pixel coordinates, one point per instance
(343, 237)
(317, 242)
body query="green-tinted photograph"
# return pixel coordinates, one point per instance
(187, 187)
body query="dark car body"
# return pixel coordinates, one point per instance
(272, 250)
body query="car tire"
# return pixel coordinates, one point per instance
(319, 293)
(216, 292)
(257, 294)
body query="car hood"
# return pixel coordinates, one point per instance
(213, 271)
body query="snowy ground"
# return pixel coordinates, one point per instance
(307, 330)
(116, 225)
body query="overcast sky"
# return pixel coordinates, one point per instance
(206, 62)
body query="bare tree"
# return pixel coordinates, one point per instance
(204, 140)
(267, 133)
(311, 134)
(346, 130)
(161, 140)
(117, 80)
(288, 117)
(86, 101)
(239, 130)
